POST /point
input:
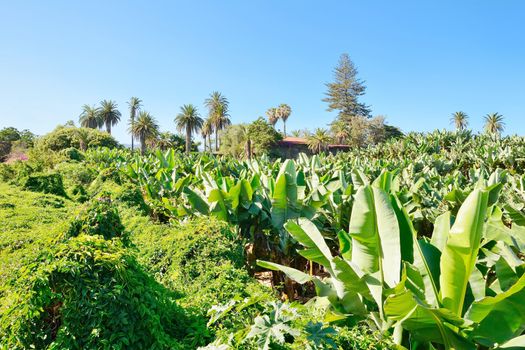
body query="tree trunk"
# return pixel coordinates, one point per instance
(284, 128)
(216, 140)
(204, 138)
(132, 142)
(142, 145)
(209, 142)
(188, 139)
(248, 149)
(108, 128)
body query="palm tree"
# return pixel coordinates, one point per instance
(248, 146)
(164, 140)
(89, 118)
(318, 141)
(460, 120)
(189, 120)
(272, 115)
(109, 114)
(145, 129)
(283, 112)
(134, 107)
(82, 135)
(206, 131)
(340, 131)
(218, 105)
(494, 123)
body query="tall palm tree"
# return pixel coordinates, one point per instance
(318, 141)
(89, 118)
(188, 120)
(145, 129)
(134, 107)
(109, 114)
(460, 120)
(494, 123)
(340, 131)
(283, 112)
(272, 115)
(218, 107)
(206, 131)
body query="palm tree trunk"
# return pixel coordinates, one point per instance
(284, 128)
(188, 139)
(216, 139)
(132, 124)
(204, 137)
(108, 128)
(248, 149)
(142, 145)
(209, 142)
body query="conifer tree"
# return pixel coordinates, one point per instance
(343, 94)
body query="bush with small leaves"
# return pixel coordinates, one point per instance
(46, 183)
(100, 217)
(90, 293)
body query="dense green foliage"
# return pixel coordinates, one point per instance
(12, 138)
(416, 241)
(46, 183)
(101, 217)
(90, 293)
(66, 137)
(246, 140)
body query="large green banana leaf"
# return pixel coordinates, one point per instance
(500, 318)
(461, 251)
(425, 323)
(284, 198)
(375, 235)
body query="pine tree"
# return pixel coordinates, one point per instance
(343, 94)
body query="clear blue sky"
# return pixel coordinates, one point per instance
(421, 60)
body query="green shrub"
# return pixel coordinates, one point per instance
(202, 259)
(72, 153)
(100, 217)
(16, 172)
(5, 148)
(77, 177)
(106, 180)
(362, 337)
(7, 172)
(91, 294)
(131, 196)
(79, 194)
(46, 183)
(66, 137)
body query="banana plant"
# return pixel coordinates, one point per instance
(458, 290)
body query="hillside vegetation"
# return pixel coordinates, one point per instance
(415, 243)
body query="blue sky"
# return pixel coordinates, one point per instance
(421, 60)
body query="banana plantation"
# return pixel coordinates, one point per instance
(415, 243)
(420, 238)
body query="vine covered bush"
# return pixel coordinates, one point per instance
(46, 183)
(65, 137)
(90, 294)
(100, 217)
